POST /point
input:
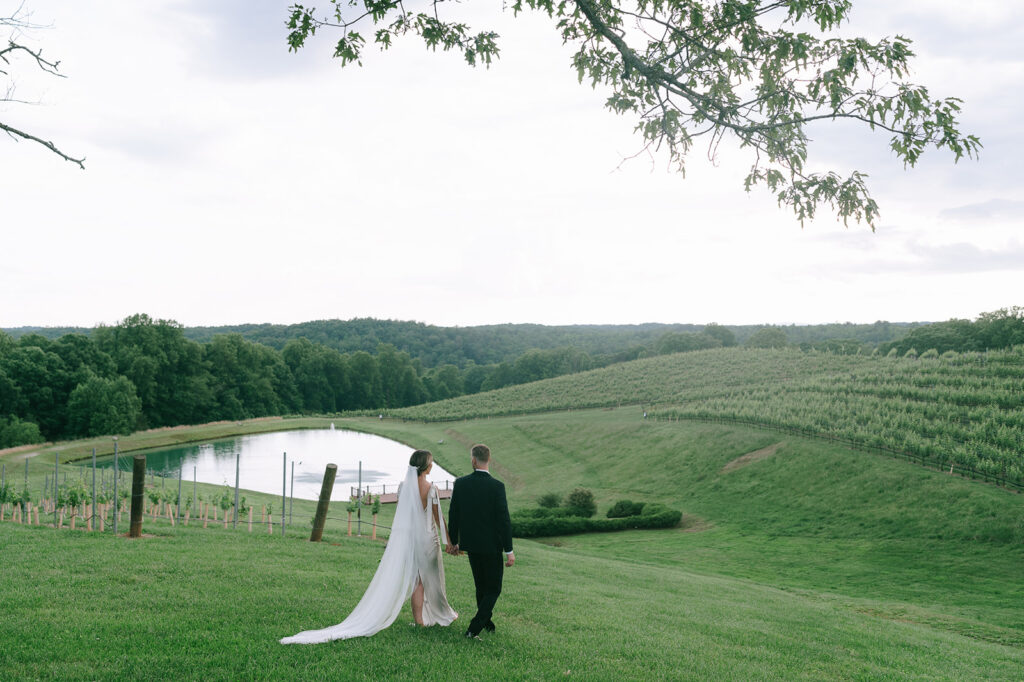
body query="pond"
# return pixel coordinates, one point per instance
(384, 462)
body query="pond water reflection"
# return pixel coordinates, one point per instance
(384, 462)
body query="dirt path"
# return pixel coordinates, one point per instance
(750, 457)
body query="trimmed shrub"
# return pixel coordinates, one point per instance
(550, 500)
(660, 516)
(544, 513)
(534, 523)
(545, 527)
(582, 502)
(624, 508)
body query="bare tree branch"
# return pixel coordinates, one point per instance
(15, 133)
(17, 23)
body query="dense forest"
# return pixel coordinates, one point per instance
(434, 346)
(145, 373)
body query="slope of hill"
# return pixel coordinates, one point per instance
(964, 410)
(812, 562)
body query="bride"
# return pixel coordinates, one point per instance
(411, 566)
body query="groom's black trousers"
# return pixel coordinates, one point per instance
(488, 570)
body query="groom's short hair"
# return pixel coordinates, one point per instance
(481, 452)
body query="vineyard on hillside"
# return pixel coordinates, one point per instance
(957, 409)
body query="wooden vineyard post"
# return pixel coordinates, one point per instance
(250, 518)
(138, 493)
(376, 510)
(325, 500)
(263, 513)
(206, 510)
(270, 524)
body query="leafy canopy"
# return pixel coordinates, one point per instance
(758, 71)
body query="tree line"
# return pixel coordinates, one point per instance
(1003, 328)
(145, 373)
(434, 346)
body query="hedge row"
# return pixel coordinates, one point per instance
(544, 513)
(624, 508)
(653, 516)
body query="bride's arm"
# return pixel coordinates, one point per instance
(435, 502)
(437, 517)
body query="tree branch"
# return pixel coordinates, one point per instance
(48, 67)
(15, 133)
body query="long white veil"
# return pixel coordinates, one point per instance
(394, 580)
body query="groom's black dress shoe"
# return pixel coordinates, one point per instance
(490, 626)
(470, 635)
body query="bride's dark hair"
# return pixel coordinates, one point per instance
(419, 460)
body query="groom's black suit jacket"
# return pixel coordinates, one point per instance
(478, 515)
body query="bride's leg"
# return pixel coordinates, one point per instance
(417, 602)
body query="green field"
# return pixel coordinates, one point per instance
(962, 410)
(814, 562)
(799, 556)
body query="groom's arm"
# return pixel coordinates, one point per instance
(453, 515)
(504, 521)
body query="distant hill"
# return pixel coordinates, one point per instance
(51, 333)
(961, 411)
(490, 344)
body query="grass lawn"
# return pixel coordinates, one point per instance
(814, 562)
(194, 604)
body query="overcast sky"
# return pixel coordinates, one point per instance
(229, 181)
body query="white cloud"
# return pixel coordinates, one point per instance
(228, 181)
(993, 209)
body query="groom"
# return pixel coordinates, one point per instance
(479, 525)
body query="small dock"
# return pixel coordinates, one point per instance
(389, 492)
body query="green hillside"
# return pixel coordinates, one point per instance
(959, 409)
(807, 561)
(797, 557)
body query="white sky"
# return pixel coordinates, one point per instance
(228, 181)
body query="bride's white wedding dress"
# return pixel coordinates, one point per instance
(413, 552)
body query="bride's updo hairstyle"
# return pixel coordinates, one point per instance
(420, 459)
